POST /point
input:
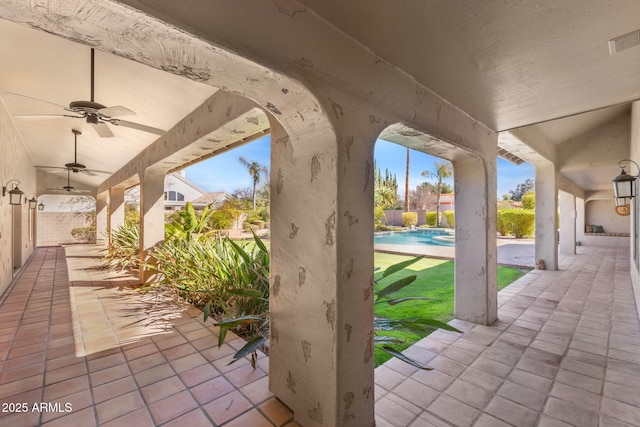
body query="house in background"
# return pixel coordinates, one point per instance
(178, 190)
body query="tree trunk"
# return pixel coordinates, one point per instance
(438, 203)
(406, 185)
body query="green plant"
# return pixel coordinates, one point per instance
(529, 200)
(431, 218)
(450, 216)
(248, 309)
(409, 218)
(516, 222)
(187, 223)
(123, 252)
(222, 219)
(84, 234)
(383, 295)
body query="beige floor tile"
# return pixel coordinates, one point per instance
(570, 413)
(276, 411)
(227, 407)
(172, 407)
(394, 412)
(453, 411)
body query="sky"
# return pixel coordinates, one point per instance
(224, 172)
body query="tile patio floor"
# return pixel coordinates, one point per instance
(566, 351)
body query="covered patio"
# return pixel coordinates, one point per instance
(554, 84)
(563, 352)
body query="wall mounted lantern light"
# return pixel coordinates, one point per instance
(15, 194)
(40, 206)
(33, 202)
(624, 184)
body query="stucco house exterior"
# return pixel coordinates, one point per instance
(551, 83)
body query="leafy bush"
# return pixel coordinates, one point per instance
(516, 222)
(123, 252)
(84, 234)
(222, 219)
(378, 215)
(449, 215)
(431, 218)
(409, 218)
(529, 200)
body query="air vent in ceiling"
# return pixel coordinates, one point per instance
(624, 42)
(509, 156)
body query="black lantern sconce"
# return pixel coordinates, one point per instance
(15, 194)
(624, 184)
(40, 206)
(33, 202)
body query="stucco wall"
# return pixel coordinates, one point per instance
(54, 228)
(601, 212)
(634, 154)
(15, 164)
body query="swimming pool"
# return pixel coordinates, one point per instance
(420, 236)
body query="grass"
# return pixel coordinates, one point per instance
(434, 280)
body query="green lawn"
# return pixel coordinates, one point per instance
(434, 280)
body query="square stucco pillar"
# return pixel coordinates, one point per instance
(116, 209)
(476, 292)
(151, 215)
(580, 220)
(546, 216)
(101, 217)
(567, 223)
(321, 348)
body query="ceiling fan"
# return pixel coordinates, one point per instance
(94, 113)
(74, 166)
(68, 188)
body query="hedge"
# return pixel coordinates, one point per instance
(517, 222)
(431, 218)
(449, 215)
(409, 218)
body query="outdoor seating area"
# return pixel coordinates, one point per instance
(563, 352)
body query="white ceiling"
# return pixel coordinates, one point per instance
(506, 63)
(46, 70)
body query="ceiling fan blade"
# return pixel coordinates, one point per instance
(44, 116)
(103, 130)
(33, 99)
(97, 171)
(51, 167)
(115, 111)
(137, 126)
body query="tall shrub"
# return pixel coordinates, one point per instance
(409, 218)
(516, 222)
(449, 215)
(529, 200)
(431, 218)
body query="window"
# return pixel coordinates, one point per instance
(173, 196)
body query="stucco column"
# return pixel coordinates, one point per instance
(546, 216)
(476, 292)
(567, 223)
(101, 217)
(151, 214)
(580, 219)
(321, 354)
(116, 209)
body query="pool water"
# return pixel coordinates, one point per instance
(416, 237)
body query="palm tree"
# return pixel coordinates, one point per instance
(406, 183)
(255, 169)
(443, 170)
